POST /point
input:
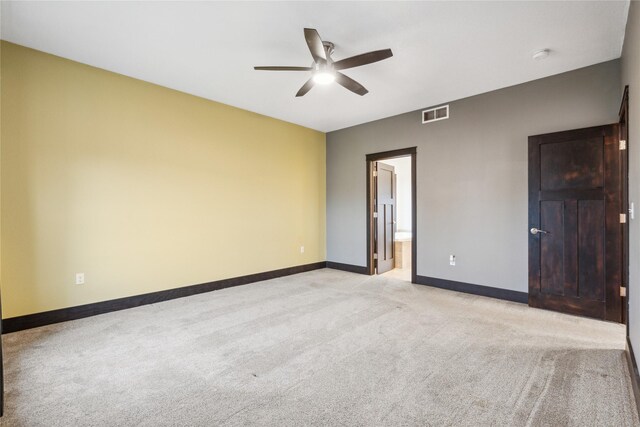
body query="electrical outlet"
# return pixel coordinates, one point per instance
(79, 278)
(301, 249)
(452, 260)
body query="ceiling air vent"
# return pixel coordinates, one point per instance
(435, 114)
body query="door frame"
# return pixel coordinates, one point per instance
(623, 119)
(375, 157)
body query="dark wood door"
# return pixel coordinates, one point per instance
(385, 211)
(575, 235)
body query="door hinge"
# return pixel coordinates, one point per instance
(623, 291)
(623, 144)
(375, 173)
(375, 214)
(375, 256)
(623, 218)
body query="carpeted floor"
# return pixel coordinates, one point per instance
(321, 348)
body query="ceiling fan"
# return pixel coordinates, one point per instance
(324, 70)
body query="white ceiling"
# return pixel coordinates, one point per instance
(442, 50)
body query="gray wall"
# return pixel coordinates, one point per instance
(471, 174)
(631, 77)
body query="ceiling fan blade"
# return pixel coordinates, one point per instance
(350, 84)
(315, 45)
(305, 87)
(283, 68)
(363, 59)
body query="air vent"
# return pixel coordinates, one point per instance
(435, 114)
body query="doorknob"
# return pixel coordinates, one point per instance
(535, 231)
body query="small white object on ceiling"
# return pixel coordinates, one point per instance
(540, 54)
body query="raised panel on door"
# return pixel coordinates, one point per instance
(552, 248)
(570, 255)
(572, 165)
(591, 231)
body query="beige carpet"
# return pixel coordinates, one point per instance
(321, 348)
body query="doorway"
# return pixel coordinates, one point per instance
(391, 213)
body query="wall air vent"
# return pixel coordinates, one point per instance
(435, 114)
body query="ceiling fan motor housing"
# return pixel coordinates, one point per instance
(329, 48)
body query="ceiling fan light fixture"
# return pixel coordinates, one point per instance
(324, 70)
(324, 77)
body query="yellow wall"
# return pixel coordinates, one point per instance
(143, 188)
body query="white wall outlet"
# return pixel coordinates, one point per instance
(79, 278)
(452, 260)
(301, 249)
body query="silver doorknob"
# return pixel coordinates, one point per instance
(535, 231)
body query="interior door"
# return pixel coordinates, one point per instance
(385, 214)
(575, 235)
